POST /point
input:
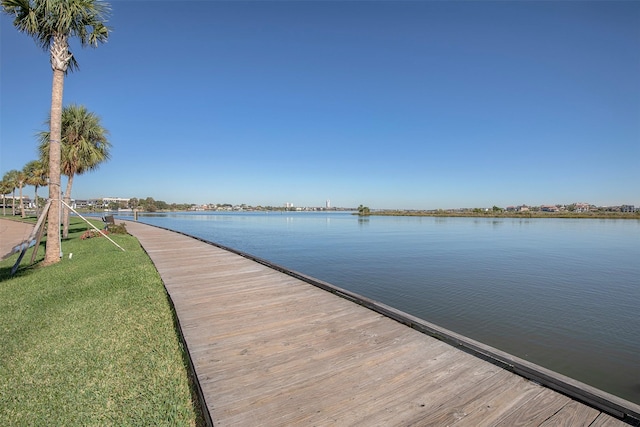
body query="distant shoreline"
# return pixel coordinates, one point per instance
(523, 215)
(426, 213)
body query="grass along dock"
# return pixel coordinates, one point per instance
(274, 347)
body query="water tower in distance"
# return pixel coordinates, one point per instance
(328, 204)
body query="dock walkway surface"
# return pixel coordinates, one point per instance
(271, 349)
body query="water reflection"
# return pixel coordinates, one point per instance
(363, 220)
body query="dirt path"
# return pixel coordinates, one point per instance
(12, 233)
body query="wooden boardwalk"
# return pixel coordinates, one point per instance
(269, 349)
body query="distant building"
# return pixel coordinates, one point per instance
(328, 204)
(627, 208)
(80, 204)
(120, 201)
(582, 207)
(523, 208)
(549, 208)
(9, 199)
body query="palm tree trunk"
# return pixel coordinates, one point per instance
(13, 202)
(21, 204)
(65, 210)
(53, 250)
(36, 197)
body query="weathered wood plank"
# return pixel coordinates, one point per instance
(606, 420)
(535, 411)
(482, 404)
(271, 349)
(573, 414)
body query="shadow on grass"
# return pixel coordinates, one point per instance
(77, 228)
(24, 269)
(5, 273)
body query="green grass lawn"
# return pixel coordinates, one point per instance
(91, 340)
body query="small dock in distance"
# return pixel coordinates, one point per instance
(269, 348)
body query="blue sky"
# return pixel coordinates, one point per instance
(391, 104)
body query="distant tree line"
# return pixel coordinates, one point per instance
(496, 213)
(149, 204)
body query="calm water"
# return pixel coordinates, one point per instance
(562, 293)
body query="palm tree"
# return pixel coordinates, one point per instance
(363, 210)
(5, 188)
(84, 146)
(37, 176)
(11, 180)
(51, 23)
(21, 179)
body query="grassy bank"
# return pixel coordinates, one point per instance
(91, 340)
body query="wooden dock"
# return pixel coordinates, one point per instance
(271, 349)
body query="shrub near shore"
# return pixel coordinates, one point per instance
(91, 340)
